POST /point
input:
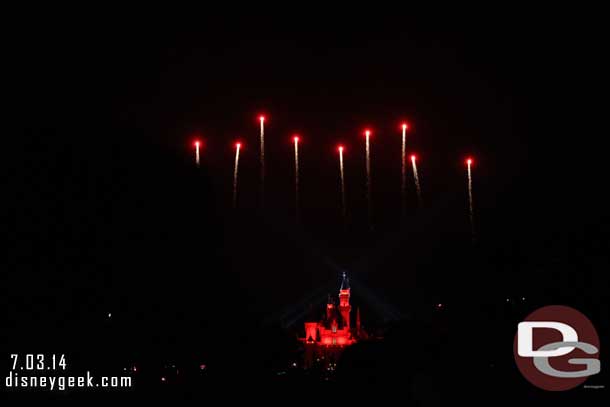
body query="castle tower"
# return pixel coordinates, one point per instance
(311, 332)
(344, 306)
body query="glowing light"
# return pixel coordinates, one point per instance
(404, 126)
(197, 144)
(469, 161)
(235, 172)
(261, 118)
(295, 138)
(416, 179)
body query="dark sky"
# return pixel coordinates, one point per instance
(111, 215)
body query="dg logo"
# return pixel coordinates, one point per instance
(556, 348)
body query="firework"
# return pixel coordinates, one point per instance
(296, 173)
(403, 168)
(235, 172)
(262, 157)
(367, 136)
(197, 144)
(342, 174)
(469, 162)
(416, 178)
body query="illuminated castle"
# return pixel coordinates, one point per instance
(326, 339)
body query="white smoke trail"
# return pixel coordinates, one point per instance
(296, 175)
(416, 178)
(197, 153)
(403, 189)
(343, 209)
(235, 170)
(262, 157)
(470, 204)
(368, 173)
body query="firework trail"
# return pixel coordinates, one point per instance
(262, 157)
(235, 171)
(416, 178)
(296, 174)
(367, 134)
(470, 205)
(343, 209)
(197, 143)
(403, 168)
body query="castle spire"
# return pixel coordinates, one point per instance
(345, 282)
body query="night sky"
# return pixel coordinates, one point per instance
(108, 214)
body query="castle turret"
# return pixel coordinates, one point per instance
(344, 306)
